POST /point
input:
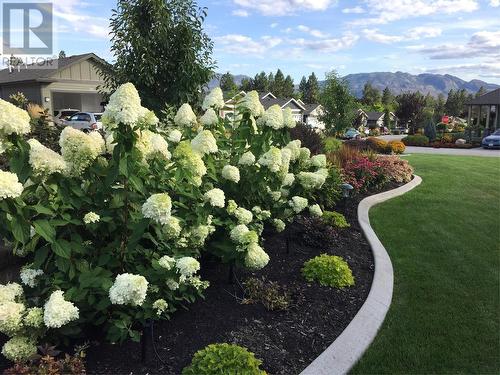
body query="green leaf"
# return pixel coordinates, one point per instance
(20, 229)
(45, 229)
(138, 230)
(62, 248)
(40, 256)
(43, 210)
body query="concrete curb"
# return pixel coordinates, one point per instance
(348, 348)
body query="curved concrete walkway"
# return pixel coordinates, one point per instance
(348, 348)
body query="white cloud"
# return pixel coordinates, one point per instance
(375, 36)
(415, 33)
(421, 32)
(385, 11)
(355, 10)
(245, 45)
(483, 69)
(313, 32)
(326, 45)
(274, 25)
(73, 12)
(240, 13)
(284, 7)
(495, 3)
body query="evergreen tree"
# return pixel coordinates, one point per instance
(270, 82)
(278, 86)
(387, 98)
(303, 87)
(430, 131)
(371, 96)
(288, 87)
(312, 89)
(260, 82)
(411, 109)
(227, 83)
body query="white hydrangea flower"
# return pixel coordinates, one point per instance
(188, 159)
(304, 155)
(231, 206)
(185, 116)
(204, 143)
(256, 258)
(286, 156)
(237, 234)
(200, 234)
(247, 159)
(10, 292)
(209, 118)
(58, 312)
(294, 147)
(3, 146)
(128, 289)
(198, 283)
(44, 161)
(11, 314)
(319, 161)
(159, 147)
(271, 159)
(243, 215)
(215, 99)
(13, 120)
(289, 179)
(187, 266)
(28, 276)
(311, 180)
(158, 207)
(315, 210)
(166, 262)
(173, 227)
(260, 213)
(251, 102)
(298, 204)
(279, 225)
(273, 117)
(33, 317)
(216, 197)
(160, 305)
(288, 119)
(231, 173)
(148, 118)
(91, 218)
(10, 187)
(124, 107)
(79, 150)
(172, 284)
(19, 349)
(174, 136)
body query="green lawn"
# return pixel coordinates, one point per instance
(444, 242)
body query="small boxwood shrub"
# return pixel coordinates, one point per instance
(397, 147)
(224, 359)
(335, 219)
(328, 270)
(331, 144)
(416, 140)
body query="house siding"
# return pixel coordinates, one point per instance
(30, 90)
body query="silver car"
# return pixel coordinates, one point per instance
(62, 115)
(85, 121)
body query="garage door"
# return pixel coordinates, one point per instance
(82, 102)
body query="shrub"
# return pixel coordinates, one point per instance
(335, 219)
(397, 147)
(269, 293)
(430, 131)
(328, 270)
(331, 144)
(309, 138)
(342, 156)
(222, 359)
(393, 168)
(330, 192)
(362, 173)
(377, 145)
(416, 140)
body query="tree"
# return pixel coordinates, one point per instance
(387, 98)
(339, 106)
(371, 96)
(387, 118)
(430, 131)
(481, 92)
(278, 85)
(160, 47)
(288, 87)
(246, 84)
(410, 109)
(312, 89)
(270, 81)
(227, 83)
(303, 87)
(260, 82)
(62, 54)
(439, 108)
(455, 103)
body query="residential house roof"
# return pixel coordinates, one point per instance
(310, 107)
(31, 73)
(282, 102)
(490, 98)
(374, 116)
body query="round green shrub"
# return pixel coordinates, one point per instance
(335, 219)
(331, 144)
(224, 359)
(328, 270)
(415, 140)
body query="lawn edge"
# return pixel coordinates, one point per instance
(348, 348)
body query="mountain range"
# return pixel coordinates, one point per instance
(398, 82)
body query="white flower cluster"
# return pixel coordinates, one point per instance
(28, 276)
(44, 161)
(271, 159)
(158, 207)
(13, 120)
(174, 136)
(315, 210)
(160, 305)
(124, 107)
(256, 258)
(294, 147)
(19, 348)
(152, 145)
(231, 173)
(247, 159)
(10, 187)
(11, 317)
(318, 161)
(185, 116)
(243, 215)
(172, 227)
(187, 266)
(91, 217)
(260, 213)
(311, 180)
(288, 120)
(298, 204)
(34, 317)
(209, 118)
(252, 103)
(279, 225)
(216, 197)
(215, 99)
(204, 143)
(273, 117)
(128, 289)
(191, 161)
(288, 180)
(79, 150)
(58, 312)
(166, 262)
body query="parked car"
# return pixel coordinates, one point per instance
(492, 141)
(351, 133)
(61, 115)
(85, 121)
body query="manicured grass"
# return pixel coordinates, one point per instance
(444, 242)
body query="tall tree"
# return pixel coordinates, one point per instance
(339, 106)
(410, 110)
(312, 89)
(160, 47)
(246, 84)
(227, 83)
(288, 87)
(387, 98)
(278, 85)
(270, 81)
(303, 87)
(455, 103)
(371, 96)
(260, 82)
(439, 108)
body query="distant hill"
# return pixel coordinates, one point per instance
(215, 81)
(399, 82)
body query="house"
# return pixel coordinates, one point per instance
(483, 112)
(72, 84)
(375, 120)
(301, 112)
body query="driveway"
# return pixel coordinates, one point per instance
(388, 138)
(452, 151)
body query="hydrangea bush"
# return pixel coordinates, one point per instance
(111, 228)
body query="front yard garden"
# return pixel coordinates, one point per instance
(443, 239)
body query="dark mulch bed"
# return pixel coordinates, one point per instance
(286, 341)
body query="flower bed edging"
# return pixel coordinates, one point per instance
(348, 348)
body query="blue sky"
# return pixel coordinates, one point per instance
(459, 37)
